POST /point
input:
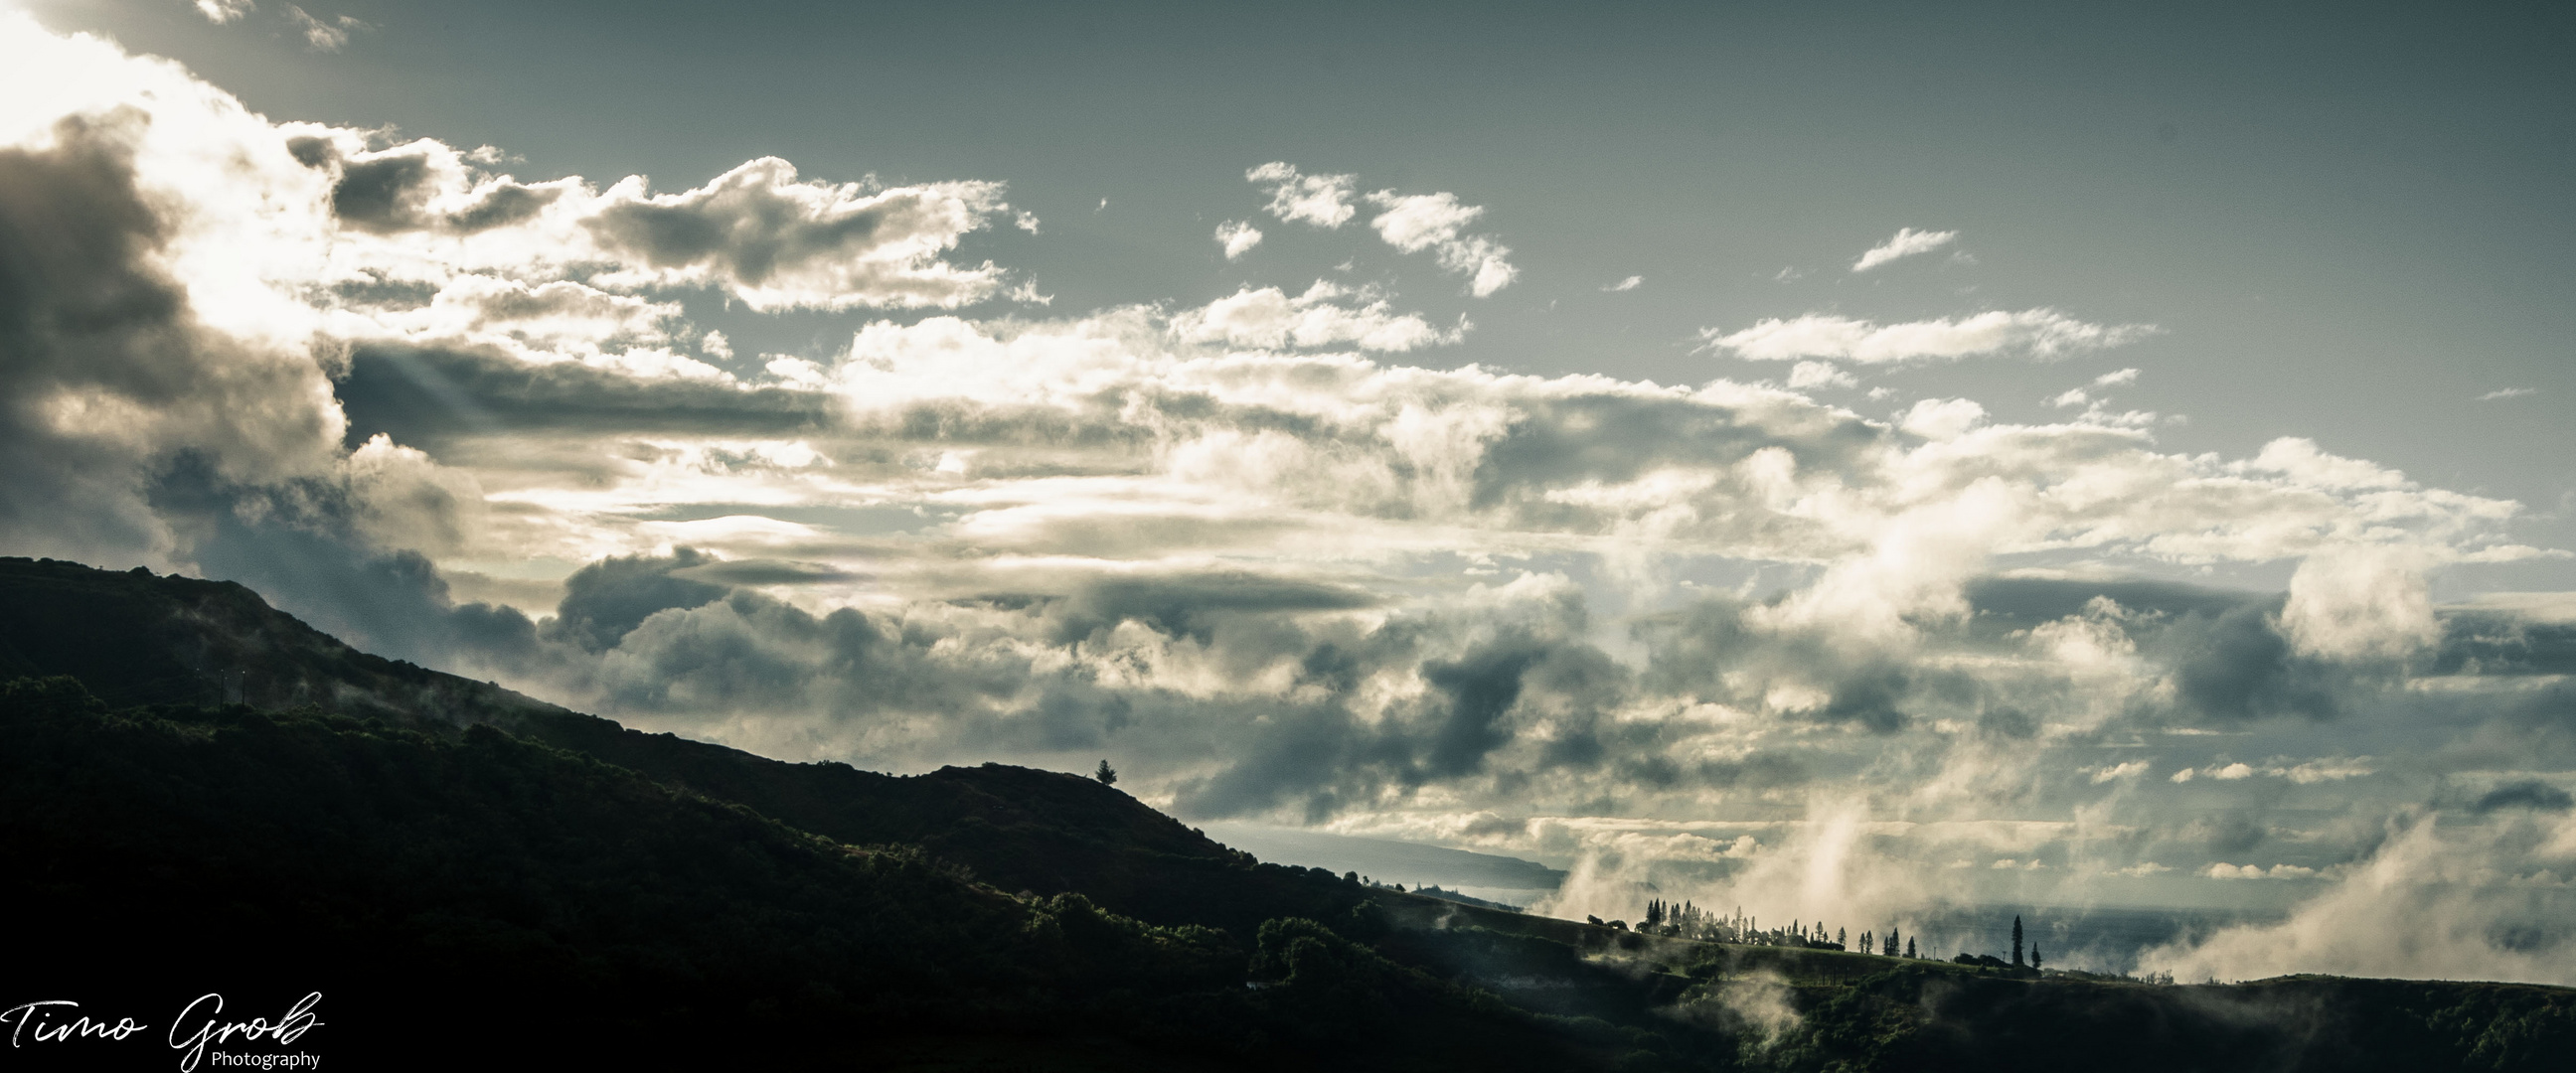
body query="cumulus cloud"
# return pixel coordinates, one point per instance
(1815, 374)
(2036, 333)
(1322, 200)
(776, 242)
(1907, 242)
(319, 35)
(423, 212)
(1730, 638)
(223, 11)
(1412, 223)
(132, 302)
(1237, 237)
(1270, 317)
(1437, 222)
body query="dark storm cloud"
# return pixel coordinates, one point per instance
(2492, 643)
(388, 192)
(2530, 793)
(1699, 652)
(384, 194)
(502, 203)
(2224, 648)
(2235, 665)
(1480, 689)
(1479, 724)
(606, 600)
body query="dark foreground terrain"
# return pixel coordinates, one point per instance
(472, 878)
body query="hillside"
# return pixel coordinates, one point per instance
(133, 638)
(433, 852)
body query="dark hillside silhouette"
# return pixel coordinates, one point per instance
(432, 852)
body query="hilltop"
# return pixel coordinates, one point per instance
(198, 791)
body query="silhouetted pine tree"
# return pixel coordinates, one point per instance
(2016, 940)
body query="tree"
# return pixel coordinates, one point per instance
(1107, 775)
(1867, 945)
(1909, 946)
(2016, 939)
(2034, 956)
(1838, 937)
(1891, 942)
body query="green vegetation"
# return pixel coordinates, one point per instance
(442, 856)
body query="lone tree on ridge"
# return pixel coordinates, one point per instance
(1108, 776)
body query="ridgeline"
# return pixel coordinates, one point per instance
(199, 793)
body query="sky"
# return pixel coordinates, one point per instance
(1847, 461)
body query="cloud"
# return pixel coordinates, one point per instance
(2528, 793)
(2365, 602)
(115, 254)
(2036, 333)
(1628, 284)
(423, 213)
(2223, 870)
(1815, 374)
(2083, 395)
(1322, 200)
(1437, 222)
(1242, 549)
(1237, 237)
(1411, 223)
(1269, 317)
(2125, 770)
(2437, 899)
(223, 11)
(2507, 393)
(775, 242)
(1905, 243)
(320, 36)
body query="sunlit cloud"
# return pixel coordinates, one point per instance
(1907, 242)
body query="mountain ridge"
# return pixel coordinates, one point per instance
(411, 835)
